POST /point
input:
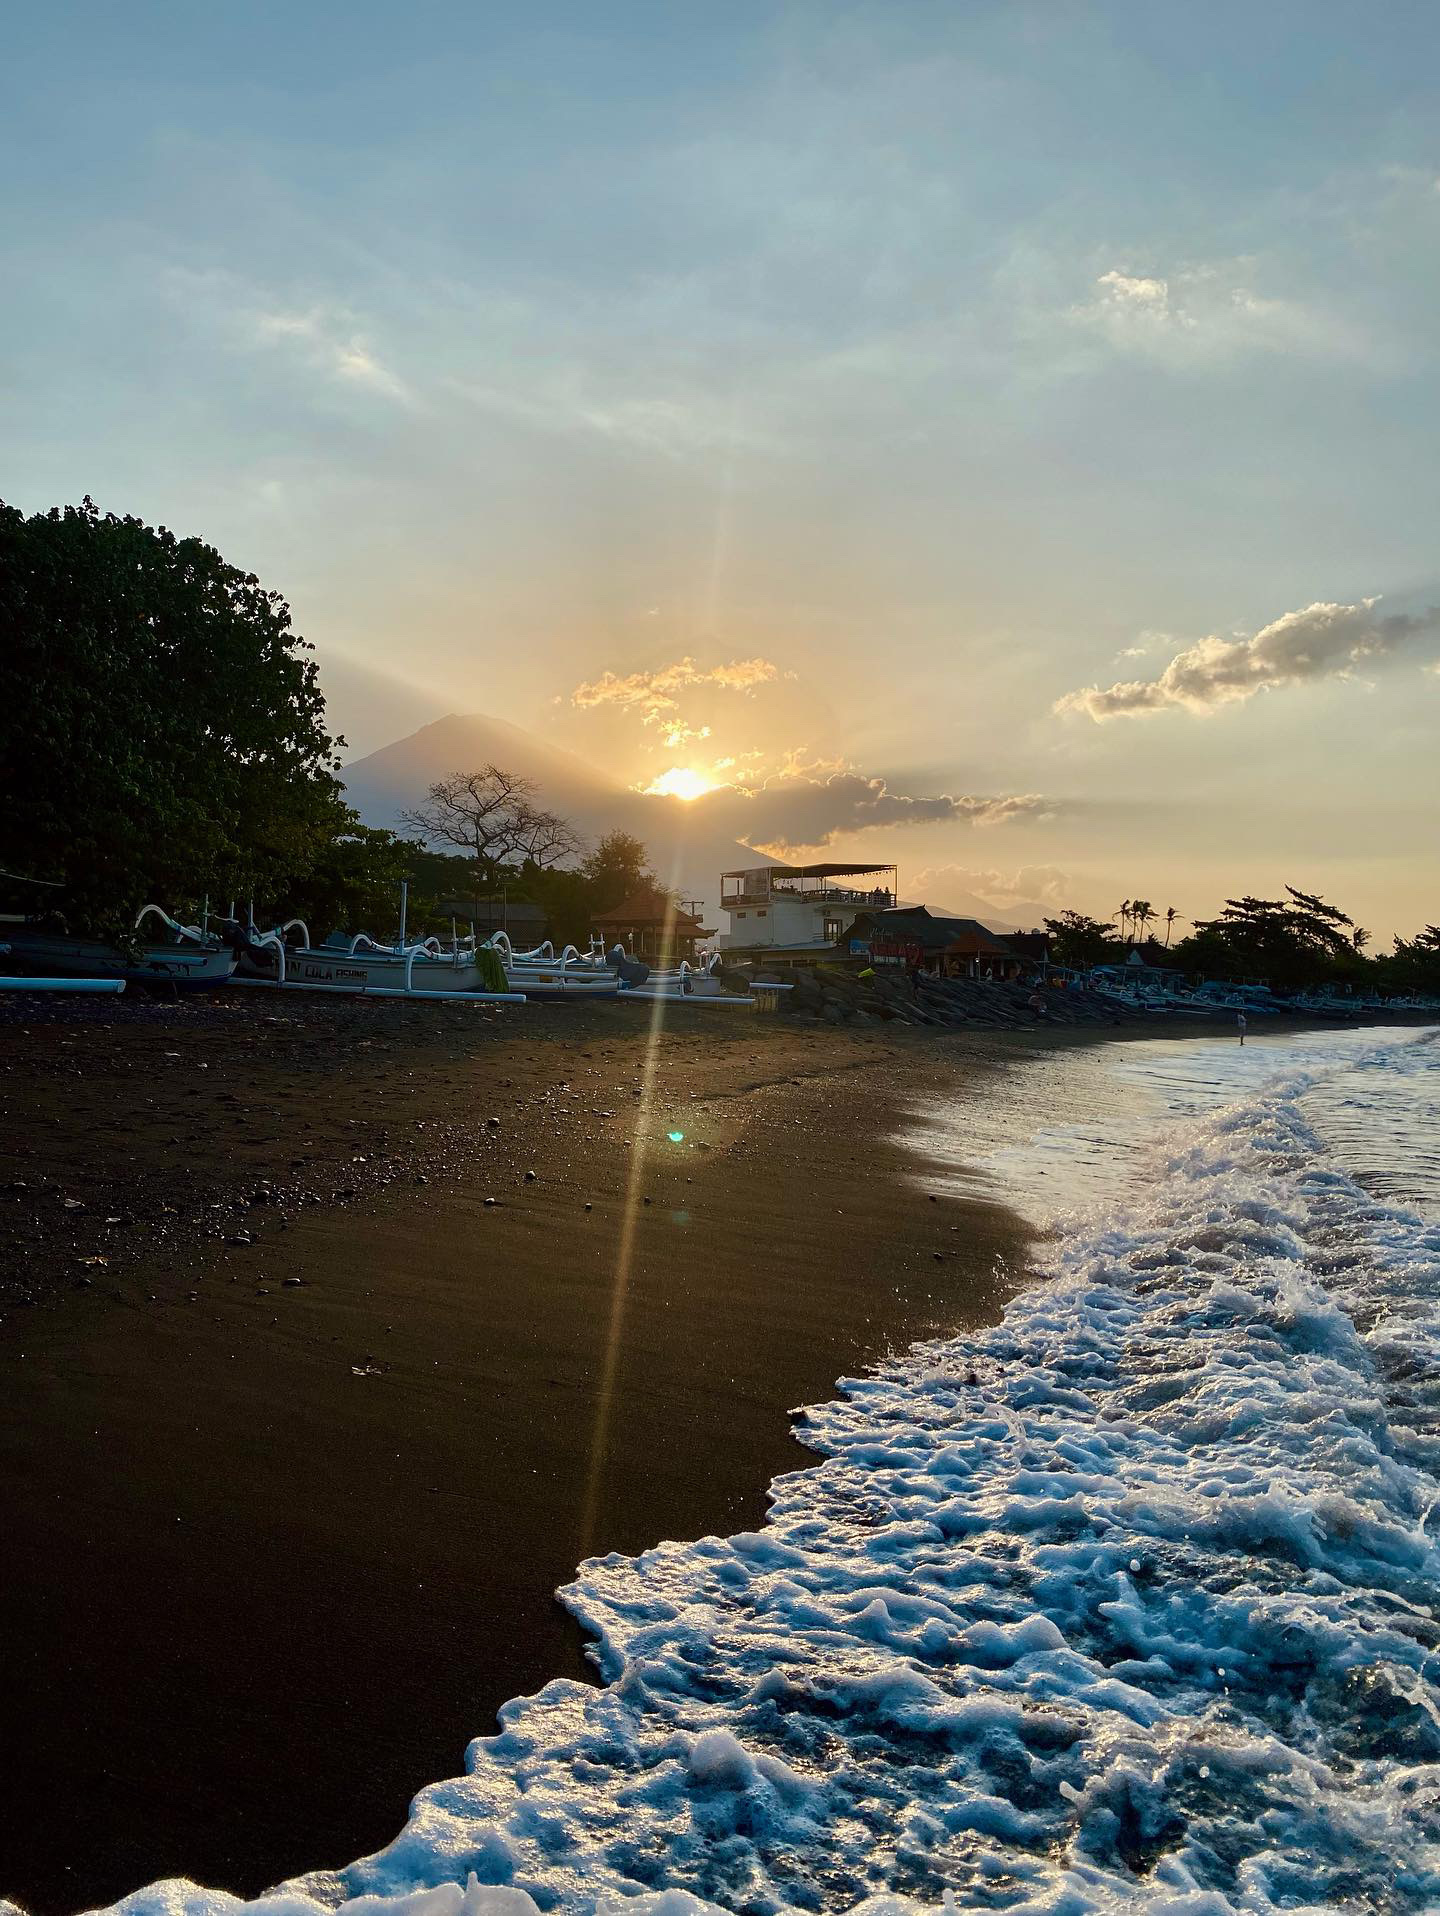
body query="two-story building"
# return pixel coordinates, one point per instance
(797, 909)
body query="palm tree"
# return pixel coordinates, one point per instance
(1359, 938)
(1124, 916)
(1170, 916)
(1142, 911)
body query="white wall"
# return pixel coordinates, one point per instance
(783, 921)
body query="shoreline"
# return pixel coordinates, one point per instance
(295, 1509)
(140, 1130)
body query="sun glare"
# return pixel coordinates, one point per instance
(681, 781)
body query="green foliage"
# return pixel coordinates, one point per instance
(479, 810)
(1293, 941)
(161, 727)
(1080, 941)
(565, 896)
(1414, 965)
(618, 866)
(354, 884)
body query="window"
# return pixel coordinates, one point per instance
(739, 914)
(833, 928)
(763, 912)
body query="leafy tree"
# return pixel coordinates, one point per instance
(161, 729)
(618, 866)
(1079, 941)
(492, 815)
(1414, 965)
(1292, 941)
(566, 896)
(354, 884)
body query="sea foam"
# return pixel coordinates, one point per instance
(1132, 1603)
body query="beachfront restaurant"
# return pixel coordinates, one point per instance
(654, 926)
(800, 909)
(913, 936)
(978, 953)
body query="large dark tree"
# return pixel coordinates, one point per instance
(1292, 941)
(1080, 941)
(618, 867)
(161, 730)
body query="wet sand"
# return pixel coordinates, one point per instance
(285, 1518)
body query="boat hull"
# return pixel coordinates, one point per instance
(161, 967)
(371, 971)
(550, 982)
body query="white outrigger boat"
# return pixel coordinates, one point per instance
(688, 984)
(186, 958)
(539, 973)
(598, 973)
(362, 965)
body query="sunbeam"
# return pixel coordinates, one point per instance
(624, 1259)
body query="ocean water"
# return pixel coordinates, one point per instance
(1131, 1603)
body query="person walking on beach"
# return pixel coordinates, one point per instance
(1240, 1025)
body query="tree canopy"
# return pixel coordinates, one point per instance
(618, 867)
(161, 728)
(1079, 941)
(1291, 940)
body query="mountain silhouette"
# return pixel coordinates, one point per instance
(682, 851)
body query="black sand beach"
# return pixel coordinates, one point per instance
(334, 1334)
(285, 1517)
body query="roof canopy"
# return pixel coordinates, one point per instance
(813, 871)
(649, 908)
(979, 944)
(913, 924)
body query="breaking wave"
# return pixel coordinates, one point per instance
(1131, 1603)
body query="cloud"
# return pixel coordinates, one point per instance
(334, 346)
(652, 694)
(791, 812)
(1125, 293)
(245, 316)
(1317, 642)
(1209, 312)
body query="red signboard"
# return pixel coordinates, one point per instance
(896, 951)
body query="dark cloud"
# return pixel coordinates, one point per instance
(798, 810)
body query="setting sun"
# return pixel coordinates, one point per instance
(681, 781)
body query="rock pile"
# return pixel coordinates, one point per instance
(835, 994)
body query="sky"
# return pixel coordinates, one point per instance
(993, 436)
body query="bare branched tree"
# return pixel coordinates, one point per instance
(545, 838)
(492, 815)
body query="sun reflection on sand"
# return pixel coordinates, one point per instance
(624, 1258)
